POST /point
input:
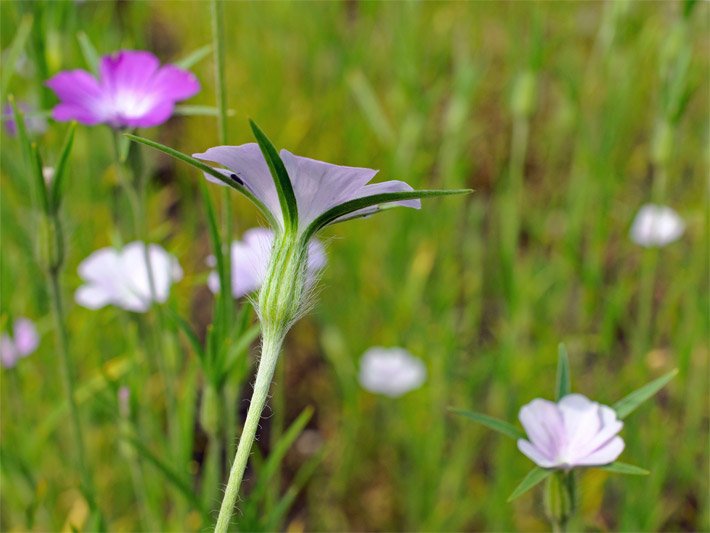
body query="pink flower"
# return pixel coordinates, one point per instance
(574, 432)
(391, 371)
(133, 91)
(250, 259)
(317, 186)
(23, 342)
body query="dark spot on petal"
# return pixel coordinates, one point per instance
(237, 179)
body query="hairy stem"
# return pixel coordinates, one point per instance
(271, 346)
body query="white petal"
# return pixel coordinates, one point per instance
(92, 297)
(604, 455)
(656, 225)
(544, 426)
(582, 421)
(391, 371)
(535, 455)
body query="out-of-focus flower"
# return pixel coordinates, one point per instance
(391, 371)
(656, 225)
(250, 260)
(48, 174)
(23, 342)
(121, 277)
(317, 186)
(574, 432)
(34, 121)
(133, 91)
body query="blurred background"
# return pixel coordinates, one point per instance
(565, 118)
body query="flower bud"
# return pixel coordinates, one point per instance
(559, 498)
(210, 410)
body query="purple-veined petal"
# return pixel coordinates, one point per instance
(581, 418)
(318, 186)
(544, 426)
(128, 72)
(247, 164)
(611, 425)
(535, 455)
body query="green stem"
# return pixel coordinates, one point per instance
(67, 365)
(271, 346)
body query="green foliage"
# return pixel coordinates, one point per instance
(628, 404)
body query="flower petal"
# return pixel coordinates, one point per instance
(92, 297)
(81, 97)
(535, 455)
(604, 455)
(582, 422)
(656, 225)
(26, 337)
(379, 188)
(128, 71)
(544, 426)
(318, 186)
(173, 83)
(8, 352)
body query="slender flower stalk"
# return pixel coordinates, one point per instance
(299, 197)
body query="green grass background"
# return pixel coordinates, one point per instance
(482, 288)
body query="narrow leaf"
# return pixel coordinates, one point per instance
(287, 198)
(194, 57)
(36, 171)
(178, 482)
(13, 53)
(241, 346)
(19, 118)
(196, 110)
(183, 326)
(535, 476)
(90, 54)
(368, 201)
(209, 170)
(630, 403)
(61, 168)
(624, 468)
(563, 377)
(509, 430)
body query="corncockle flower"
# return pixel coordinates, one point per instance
(23, 342)
(299, 197)
(250, 259)
(122, 277)
(573, 432)
(133, 91)
(391, 371)
(34, 121)
(656, 225)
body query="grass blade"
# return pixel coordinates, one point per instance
(536, 476)
(36, 171)
(13, 54)
(207, 169)
(60, 170)
(624, 468)
(287, 198)
(194, 57)
(89, 52)
(490, 422)
(563, 376)
(196, 111)
(630, 403)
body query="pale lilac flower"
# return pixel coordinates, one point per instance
(318, 186)
(656, 225)
(133, 91)
(23, 342)
(250, 259)
(391, 371)
(574, 432)
(34, 121)
(121, 277)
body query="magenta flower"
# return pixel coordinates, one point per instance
(574, 432)
(133, 91)
(317, 186)
(121, 277)
(23, 342)
(250, 260)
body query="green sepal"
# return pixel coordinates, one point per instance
(209, 170)
(536, 476)
(194, 57)
(55, 188)
(563, 386)
(505, 428)
(618, 467)
(628, 404)
(282, 181)
(368, 201)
